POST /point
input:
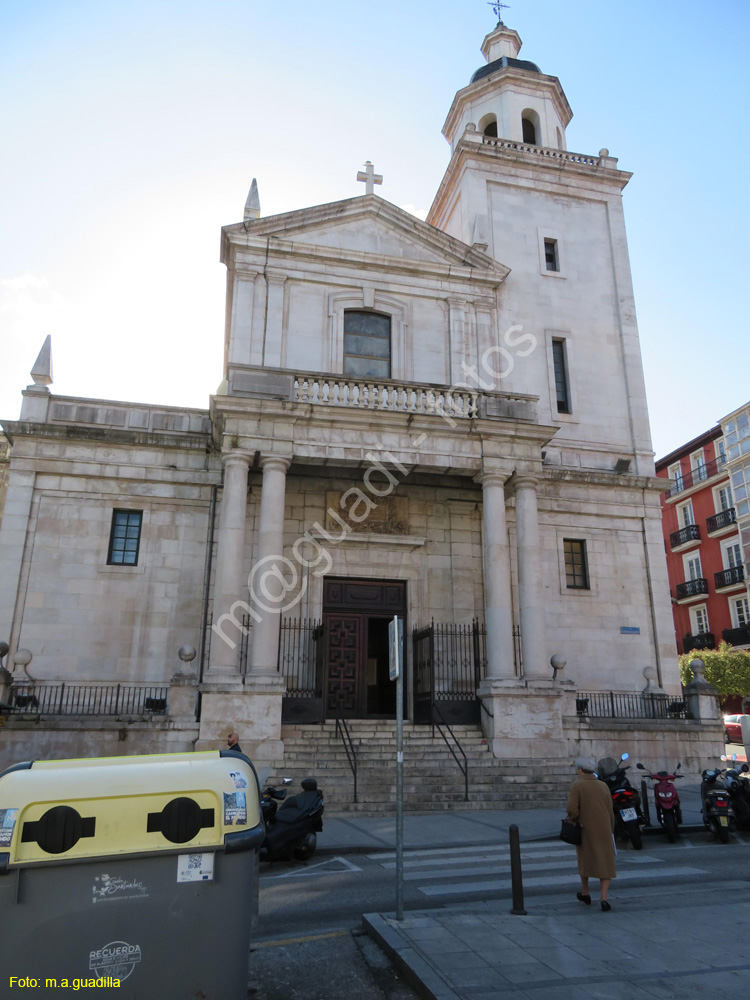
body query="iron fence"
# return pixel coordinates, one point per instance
(611, 705)
(298, 661)
(88, 699)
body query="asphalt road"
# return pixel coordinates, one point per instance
(308, 945)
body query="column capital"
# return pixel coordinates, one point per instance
(492, 477)
(278, 463)
(276, 277)
(236, 458)
(525, 481)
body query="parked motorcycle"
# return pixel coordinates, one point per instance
(716, 804)
(667, 801)
(291, 829)
(626, 801)
(738, 787)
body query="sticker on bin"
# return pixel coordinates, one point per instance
(239, 779)
(195, 868)
(116, 959)
(235, 809)
(628, 815)
(7, 826)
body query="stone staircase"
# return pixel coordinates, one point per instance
(432, 779)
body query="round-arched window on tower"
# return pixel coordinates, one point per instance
(530, 126)
(488, 126)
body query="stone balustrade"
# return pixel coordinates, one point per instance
(332, 390)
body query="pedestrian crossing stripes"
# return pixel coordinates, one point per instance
(450, 872)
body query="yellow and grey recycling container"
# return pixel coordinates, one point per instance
(132, 872)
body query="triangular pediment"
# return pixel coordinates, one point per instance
(367, 226)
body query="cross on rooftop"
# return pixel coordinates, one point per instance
(369, 177)
(498, 9)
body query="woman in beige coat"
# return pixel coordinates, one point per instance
(590, 804)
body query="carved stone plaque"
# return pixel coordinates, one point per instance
(366, 513)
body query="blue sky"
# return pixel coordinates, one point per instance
(132, 132)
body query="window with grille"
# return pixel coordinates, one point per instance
(562, 386)
(576, 564)
(367, 344)
(125, 537)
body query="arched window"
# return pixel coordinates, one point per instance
(488, 126)
(532, 128)
(529, 131)
(367, 344)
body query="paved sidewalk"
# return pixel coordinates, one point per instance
(684, 944)
(360, 834)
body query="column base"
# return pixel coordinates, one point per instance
(252, 710)
(526, 717)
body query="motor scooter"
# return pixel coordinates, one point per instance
(738, 787)
(291, 829)
(667, 801)
(626, 801)
(716, 804)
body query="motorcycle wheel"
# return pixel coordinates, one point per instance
(634, 833)
(724, 834)
(670, 826)
(305, 848)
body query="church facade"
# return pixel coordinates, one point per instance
(441, 421)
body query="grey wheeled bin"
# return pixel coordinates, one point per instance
(137, 872)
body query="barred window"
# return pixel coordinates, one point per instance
(576, 564)
(125, 537)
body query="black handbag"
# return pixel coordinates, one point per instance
(570, 832)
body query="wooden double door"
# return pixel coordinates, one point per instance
(356, 615)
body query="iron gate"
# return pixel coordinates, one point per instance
(450, 661)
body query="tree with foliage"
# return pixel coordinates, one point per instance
(727, 668)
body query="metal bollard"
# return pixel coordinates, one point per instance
(644, 802)
(515, 872)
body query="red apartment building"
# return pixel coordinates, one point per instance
(704, 554)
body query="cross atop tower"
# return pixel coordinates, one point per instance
(498, 8)
(369, 177)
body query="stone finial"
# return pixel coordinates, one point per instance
(252, 205)
(652, 681)
(41, 373)
(557, 662)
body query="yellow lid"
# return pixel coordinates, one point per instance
(68, 809)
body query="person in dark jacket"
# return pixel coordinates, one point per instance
(233, 743)
(590, 805)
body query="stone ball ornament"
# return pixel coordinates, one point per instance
(186, 653)
(22, 657)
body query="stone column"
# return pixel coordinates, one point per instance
(268, 594)
(497, 595)
(530, 593)
(230, 584)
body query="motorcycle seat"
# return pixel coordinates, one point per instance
(297, 807)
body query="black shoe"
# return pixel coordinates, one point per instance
(605, 906)
(584, 899)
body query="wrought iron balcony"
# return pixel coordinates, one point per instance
(724, 519)
(727, 577)
(737, 636)
(692, 588)
(690, 533)
(704, 640)
(686, 480)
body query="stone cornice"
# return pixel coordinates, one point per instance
(287, 231)
(191, 440)
(554, 165)
(609, 479)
